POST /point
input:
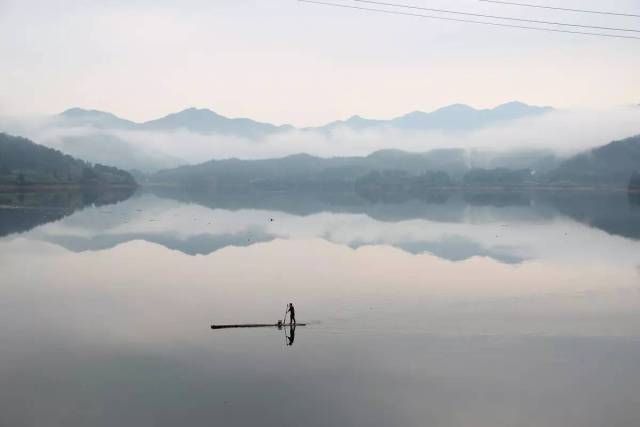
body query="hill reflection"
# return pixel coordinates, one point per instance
(21, 212)
(509, 228)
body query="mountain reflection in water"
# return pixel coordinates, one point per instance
(460, 225)
(20, 212)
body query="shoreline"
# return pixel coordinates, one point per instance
(503, 189)
(60, 187)
(44, 188)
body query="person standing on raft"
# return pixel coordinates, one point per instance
(292, 313)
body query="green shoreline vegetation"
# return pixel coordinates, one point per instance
(25, 165)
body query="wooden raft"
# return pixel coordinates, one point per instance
(256, 325)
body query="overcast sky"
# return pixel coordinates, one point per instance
(288, 62)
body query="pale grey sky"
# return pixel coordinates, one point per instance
(287, 62)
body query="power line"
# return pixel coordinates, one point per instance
(470, 21)
(539, 6)
(406, 6)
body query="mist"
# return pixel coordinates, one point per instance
(563, 132)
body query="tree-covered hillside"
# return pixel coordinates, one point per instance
(385, 170)
(24, 163)
(611, 165)
(634, 182)
(303, 170)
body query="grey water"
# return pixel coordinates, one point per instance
(457, 309)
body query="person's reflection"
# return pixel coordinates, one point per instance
(291, 335)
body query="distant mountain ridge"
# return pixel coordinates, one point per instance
(452, 117)
(197, 120)
(94, 118)
(205, 121)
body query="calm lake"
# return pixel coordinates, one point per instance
(467, 310)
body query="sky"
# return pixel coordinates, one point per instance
(283, 61)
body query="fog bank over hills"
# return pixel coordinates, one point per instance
(196, 135)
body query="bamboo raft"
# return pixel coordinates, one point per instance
(257, 325)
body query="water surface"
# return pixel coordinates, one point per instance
(454, 310)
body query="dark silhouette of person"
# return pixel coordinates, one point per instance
(292, 313)
(292, 334)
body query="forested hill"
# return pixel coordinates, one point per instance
(610, 165)
(24, 163)
(304, 170)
